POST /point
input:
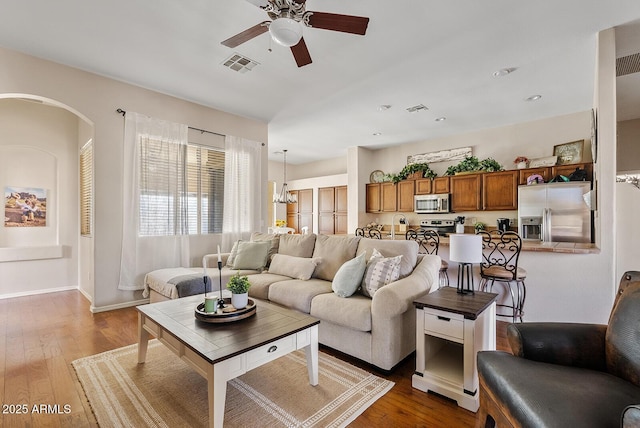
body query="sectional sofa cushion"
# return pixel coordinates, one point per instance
(349, 276)
(297, 245)
(334, 251)
(293, 267)
(260, 284)
(388, 248)
(380, 271)
(297, 294)
(251, 255)
(353, 313)
(232, 254)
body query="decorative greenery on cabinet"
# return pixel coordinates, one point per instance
(472, 163)
(427, 172)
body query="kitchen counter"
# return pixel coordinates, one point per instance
(547, 247)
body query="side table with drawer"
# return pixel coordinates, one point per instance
(450, 330)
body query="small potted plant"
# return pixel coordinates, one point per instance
(521, 162)
(239, 287)
(479, 226)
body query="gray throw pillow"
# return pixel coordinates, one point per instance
(251, 255)
(349, 276)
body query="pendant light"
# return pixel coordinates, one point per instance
(285, 197)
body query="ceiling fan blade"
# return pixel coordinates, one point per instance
(336, 22)
(246, 35)
(301, 53)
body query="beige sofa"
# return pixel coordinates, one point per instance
(379, 330)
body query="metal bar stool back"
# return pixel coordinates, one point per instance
(429, 243)
(500, 257)
(369, 232)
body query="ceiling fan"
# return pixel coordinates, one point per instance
(287, 18)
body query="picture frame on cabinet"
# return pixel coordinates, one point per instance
(569, 153)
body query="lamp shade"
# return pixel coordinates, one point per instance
(465, 248)
(285, 31)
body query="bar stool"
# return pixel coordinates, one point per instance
(429, 242)
(369, 232)
(500, 254)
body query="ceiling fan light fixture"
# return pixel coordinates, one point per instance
(285, 31)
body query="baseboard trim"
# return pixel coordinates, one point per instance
(122, 305)
(34, 292)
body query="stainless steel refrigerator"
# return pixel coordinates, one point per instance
(556, 212)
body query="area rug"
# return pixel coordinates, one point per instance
(166, 392)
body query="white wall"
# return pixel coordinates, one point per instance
(97, 98)
(628, 157)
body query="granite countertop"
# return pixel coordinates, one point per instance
(548, 247)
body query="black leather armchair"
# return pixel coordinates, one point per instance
(567, 375)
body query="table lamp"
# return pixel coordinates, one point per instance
(465, 249)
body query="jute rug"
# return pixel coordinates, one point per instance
(166, 392)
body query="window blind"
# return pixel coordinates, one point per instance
(181, 188)
(86, 189)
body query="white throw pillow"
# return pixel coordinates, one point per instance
(380, 271)
(292, 266)
(349, 276)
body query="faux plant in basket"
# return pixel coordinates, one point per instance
(473, 164)
(239, 287)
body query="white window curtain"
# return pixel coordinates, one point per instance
(242, 190)
(154, 229)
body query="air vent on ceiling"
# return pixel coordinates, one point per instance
(628, 64)
(419, 107)
(239, 63)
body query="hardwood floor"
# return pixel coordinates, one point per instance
(41, 335)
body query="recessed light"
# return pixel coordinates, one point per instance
(377, 134)
(533, 98)
(384, 107)
(504, 71)
(441, 119)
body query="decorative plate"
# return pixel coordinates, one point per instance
(376, 176)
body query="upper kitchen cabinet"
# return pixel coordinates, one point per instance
(567, 170)
(406, 191)
(466, 192)
(373, 198)
(524, 174)
(500, 190)
(440, 185)
(388, 197)
(423, 186)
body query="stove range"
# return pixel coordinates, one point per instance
(443, 227)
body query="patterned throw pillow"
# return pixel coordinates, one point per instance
(380, 271)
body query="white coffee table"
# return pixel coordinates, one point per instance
(221, 352)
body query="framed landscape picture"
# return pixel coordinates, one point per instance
(25, 207)
(569, 153)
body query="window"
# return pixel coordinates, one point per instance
(181, 188)
(86, 189)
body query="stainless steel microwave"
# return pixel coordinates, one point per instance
(428, 204)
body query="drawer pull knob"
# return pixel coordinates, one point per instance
(272, 349)
(444, 318)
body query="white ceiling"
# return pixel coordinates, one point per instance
(438, 53)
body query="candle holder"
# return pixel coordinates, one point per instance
(221, 299)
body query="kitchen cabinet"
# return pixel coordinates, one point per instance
(466, 192)
(524, 174)
(405, 191)
(332, 210)
(373, 197)
(500, 190)
(388, 197)
(423, 186)
(300, 214)
(440, 185)
(566, 170)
